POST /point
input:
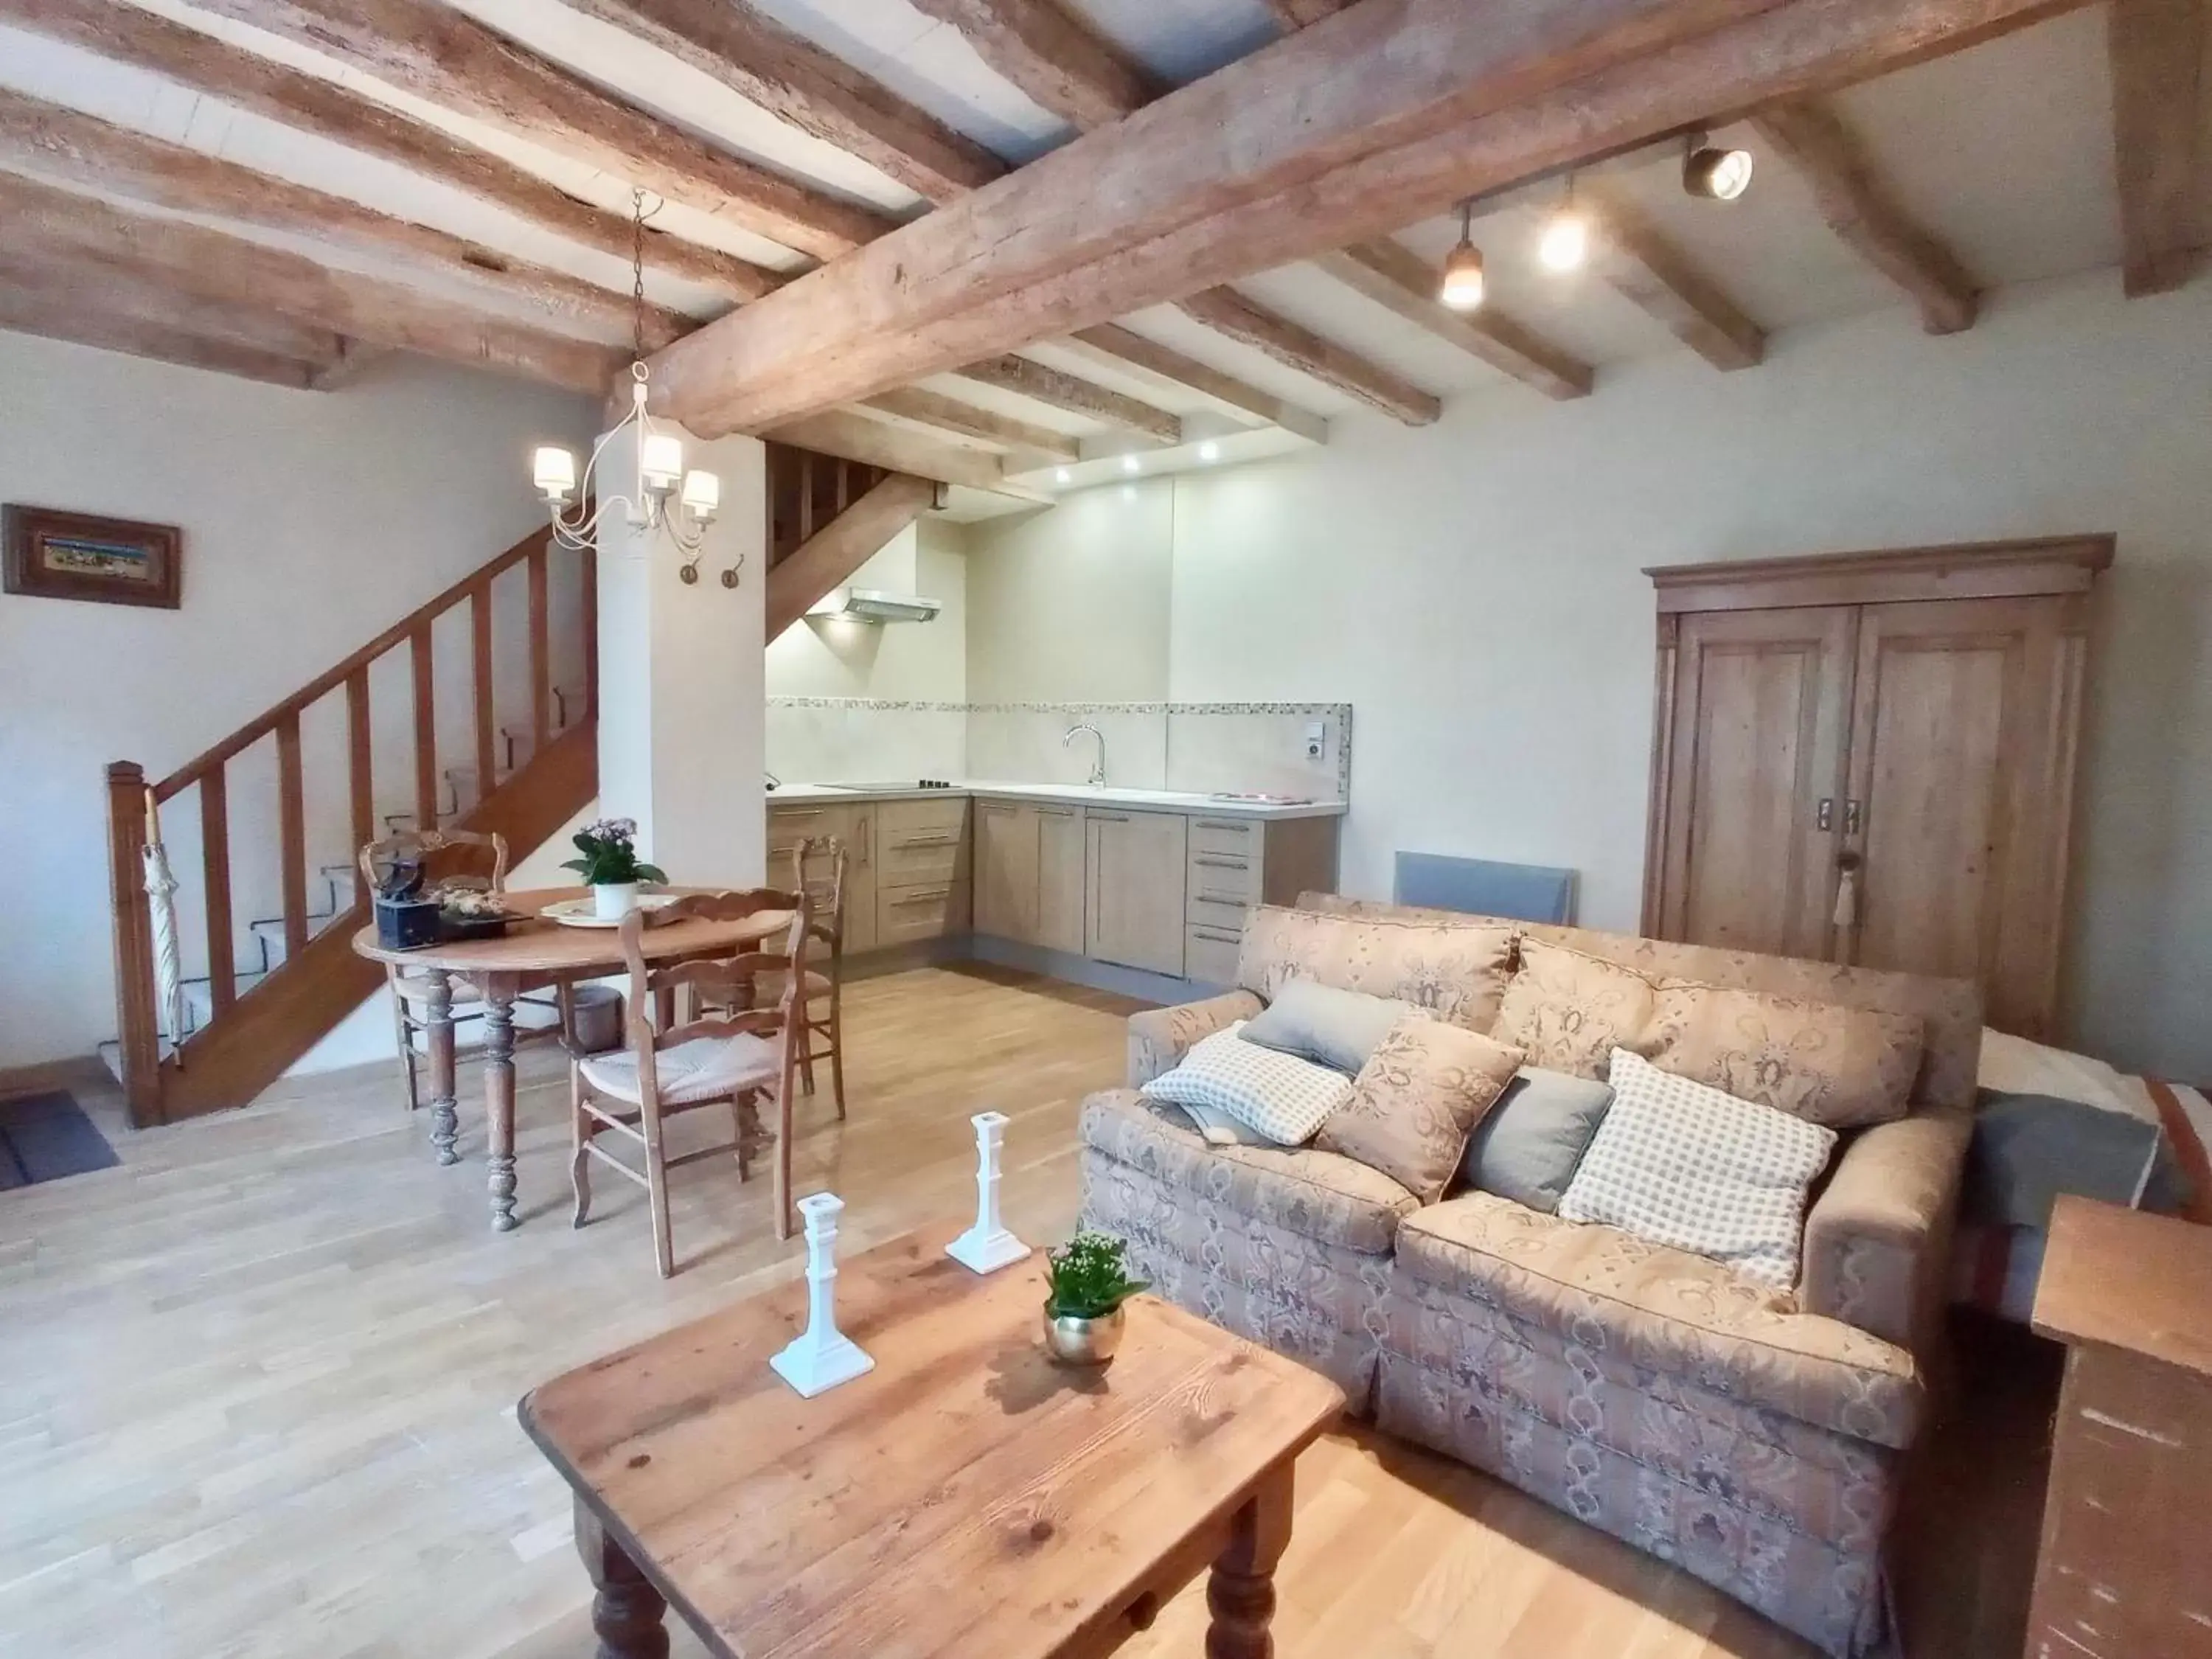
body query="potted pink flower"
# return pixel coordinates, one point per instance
(610, 866)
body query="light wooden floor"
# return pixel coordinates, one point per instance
(256, 1385)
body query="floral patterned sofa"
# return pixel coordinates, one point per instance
(1753, 1437)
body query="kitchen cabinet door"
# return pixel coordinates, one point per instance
(1134, 898)
(860, 919)
(1060, 887)
(1007, 869)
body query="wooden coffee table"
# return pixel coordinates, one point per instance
(965, 1498)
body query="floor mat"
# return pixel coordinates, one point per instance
(45, 1136)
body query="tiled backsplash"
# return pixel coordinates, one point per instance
(1197, 746)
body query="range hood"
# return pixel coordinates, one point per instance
(874, 605)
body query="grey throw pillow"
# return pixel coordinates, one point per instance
(1340, 1029)
(2028, 1149)
(1528, 1146)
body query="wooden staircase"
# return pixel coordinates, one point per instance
(248, 1018)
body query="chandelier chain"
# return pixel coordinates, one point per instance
(637, 274)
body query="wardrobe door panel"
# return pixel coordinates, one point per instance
(1757, 739)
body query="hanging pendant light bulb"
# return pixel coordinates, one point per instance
(1460, 285)
(1565, 244)
(697, 494)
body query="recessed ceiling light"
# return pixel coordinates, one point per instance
(1460, 287)
(1209, 451)
(1061, 474)
(1719, 175)
(1131, 464)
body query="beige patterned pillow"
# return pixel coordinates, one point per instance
(1821, 1062)
(1454, 970)
(1414, 1102)
(1571, 1010)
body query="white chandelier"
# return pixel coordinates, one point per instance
(697, 494)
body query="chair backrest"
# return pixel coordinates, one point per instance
(648, 984)
(450, 858)
(818, 868)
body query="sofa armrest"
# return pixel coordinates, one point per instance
(1878, 1241)
(1160, 1037)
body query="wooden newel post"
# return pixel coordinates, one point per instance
(134, 1021)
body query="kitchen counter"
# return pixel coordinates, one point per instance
(1166, 800)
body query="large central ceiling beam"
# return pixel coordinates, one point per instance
(1384, 114)
(464, 67)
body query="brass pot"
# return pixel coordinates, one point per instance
(1070, 1340)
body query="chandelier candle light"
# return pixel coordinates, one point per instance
(660, 473)
(987, 1246)
(821, 1357)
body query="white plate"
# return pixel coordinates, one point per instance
(577, 912)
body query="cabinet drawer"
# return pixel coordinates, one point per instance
(789, 825)
(914, 913)
(1218, 915)
(1233, 878)
(1233, 836)
(931, 860)
(898, 821)
(1209, 954)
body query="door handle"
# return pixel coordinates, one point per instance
(1824, 816)
(1853, 818)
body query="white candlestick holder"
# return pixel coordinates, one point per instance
(987, 1246)
(822, 1356)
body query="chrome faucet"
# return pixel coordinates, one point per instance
(1098, 772)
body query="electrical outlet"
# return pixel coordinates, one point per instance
(1317, 740)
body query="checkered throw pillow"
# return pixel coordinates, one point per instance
(1280, 1095)
(1685, 1165)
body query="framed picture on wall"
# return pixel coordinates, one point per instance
(51, 555)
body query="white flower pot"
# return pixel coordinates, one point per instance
(613, 900)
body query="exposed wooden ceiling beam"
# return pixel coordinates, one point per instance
(1859, 208)
(1303, 13)
(795, 80)
(986, 426)
(75, 320)
(311, 104)
(1328, 137)
(1113, 346)
(1638, 261)
(900, 449)
(1074, 395)
(215, 266)
(463, 66)
(62, 146)
(1229, 314)
(1058, 61)
(1394, 276)
(355, 360)
(2161, 53)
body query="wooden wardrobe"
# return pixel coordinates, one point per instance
(1868, 758)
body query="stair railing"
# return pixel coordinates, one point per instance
(143, 1068)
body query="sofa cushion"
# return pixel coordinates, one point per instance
(1426, 1085)
(1336, 1028)
(1632, 1306)
(1319, 1195)
(1844, 1067)
(1570, 1011)
(1682, 1164)
(1528, 1146)
(1284, 1097)
(1456, 970)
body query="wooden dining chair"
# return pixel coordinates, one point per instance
(818, 867)
(451, 858)
(738, 1059)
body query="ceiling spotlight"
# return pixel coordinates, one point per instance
(1460, 285)
(1720, 175)
(1566, 241)
(1061, 474)
(1131, 464)
(1209, 451)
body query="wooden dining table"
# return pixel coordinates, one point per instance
(533, 954)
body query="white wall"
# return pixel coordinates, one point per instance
(900, 661)
(1474, 590)
(310, 522)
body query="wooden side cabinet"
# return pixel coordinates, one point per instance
(2122, 1572)
(1133, 895)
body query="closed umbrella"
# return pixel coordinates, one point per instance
(161, 903)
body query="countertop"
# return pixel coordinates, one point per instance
(1075, 794)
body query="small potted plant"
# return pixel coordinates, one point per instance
(1089, 1278)
(610, 866)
